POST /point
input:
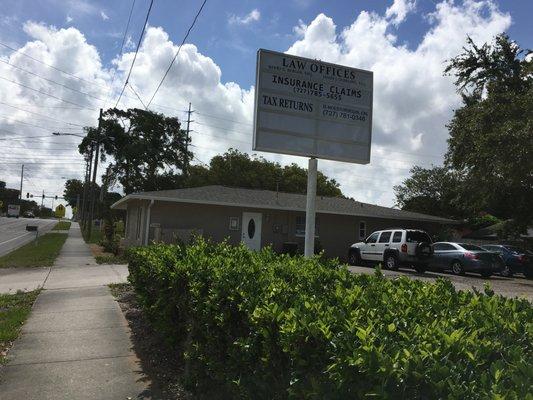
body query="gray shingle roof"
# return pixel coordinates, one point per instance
(223, 195)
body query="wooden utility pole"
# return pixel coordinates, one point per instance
(84, 202)
(186, 166)
(93, 188)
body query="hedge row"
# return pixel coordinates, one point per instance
(266, 326)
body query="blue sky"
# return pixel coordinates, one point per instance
(231, 46)
(404, 42)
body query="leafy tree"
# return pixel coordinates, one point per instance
(431, 190)
(145, 148)
(237, 169)
(74, 188)
(491, 135)
(489, 163)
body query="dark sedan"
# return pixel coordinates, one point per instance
(464, 257)
(516, 260)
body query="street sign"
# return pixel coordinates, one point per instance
(60, 211)
(312, 108)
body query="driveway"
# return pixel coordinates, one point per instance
(509, 287)
(13, 232)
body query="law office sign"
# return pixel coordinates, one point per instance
(312, 108)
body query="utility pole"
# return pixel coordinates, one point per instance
(93, 190)
(21, 179)
(88, 167)
(186, 166)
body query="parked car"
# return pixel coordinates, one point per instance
(29, 214)
(395, 248)
(516, 259)
(464, 257)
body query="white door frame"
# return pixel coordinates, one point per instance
(251, 231)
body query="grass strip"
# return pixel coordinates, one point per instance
(41, 253)
(14, 309)
(62, 226)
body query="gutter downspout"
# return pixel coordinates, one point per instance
(147, 228)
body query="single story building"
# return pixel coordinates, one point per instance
(259, 218)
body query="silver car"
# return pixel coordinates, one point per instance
(464, 257)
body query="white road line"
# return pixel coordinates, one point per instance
(15, 238)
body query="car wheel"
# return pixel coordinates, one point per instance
(506, 272)
(421, 268)
(486, 274)
(354, 258)
(457, 268)
(391, 262)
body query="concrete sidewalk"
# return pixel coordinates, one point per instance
(76, 342)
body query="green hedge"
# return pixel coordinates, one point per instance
(264, 326)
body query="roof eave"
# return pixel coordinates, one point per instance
(121, 205)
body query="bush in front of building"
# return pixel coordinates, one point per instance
(258, 325)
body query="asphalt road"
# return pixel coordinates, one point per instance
(517, 286)
(13, 232)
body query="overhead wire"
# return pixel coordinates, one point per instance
(177, 52)
(136, 52)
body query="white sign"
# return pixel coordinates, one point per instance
(311, 108)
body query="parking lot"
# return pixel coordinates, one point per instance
(517, 286)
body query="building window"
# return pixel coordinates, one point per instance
(362, 230)
(233, 223)
(300, 226)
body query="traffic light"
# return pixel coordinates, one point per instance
(56, 197)
(43, 195)
(27, 195)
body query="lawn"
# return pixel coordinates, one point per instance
(62, 226)
(110, 259)
(40, 254)
(14, 309)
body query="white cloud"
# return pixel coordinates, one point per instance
(399, 9)
(252, 16)
(412, 101)
(68, 19)
(103, 15)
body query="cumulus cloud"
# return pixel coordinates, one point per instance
(399, 9)
(412, 99)
(252, 16)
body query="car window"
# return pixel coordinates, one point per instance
(443, 246)
(417, 236)
(471, 247)
(514, 249)
(372, 238)
(397, 237)
(385, 237)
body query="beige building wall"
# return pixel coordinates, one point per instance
(172, 222)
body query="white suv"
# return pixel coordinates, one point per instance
(394, 248)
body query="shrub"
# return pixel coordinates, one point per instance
(267, 326)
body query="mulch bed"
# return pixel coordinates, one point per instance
(162, 365)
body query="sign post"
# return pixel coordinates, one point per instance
(314, 109)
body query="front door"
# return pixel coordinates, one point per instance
(251, 230)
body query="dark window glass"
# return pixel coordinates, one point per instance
(372, 238)
(397, 237)
(471, 247)
(443, 246)
(417, 236)
(251, 228)
(385, 237)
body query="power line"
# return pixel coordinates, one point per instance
(41, 92)
(177, 52)
(49, 80)
(120, 53)
(136, 94)
(41, 115)
(136, 51)
(51, 66)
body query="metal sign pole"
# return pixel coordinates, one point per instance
(310, 208)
